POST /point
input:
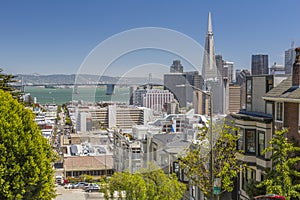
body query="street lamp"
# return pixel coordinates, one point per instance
(208, 93)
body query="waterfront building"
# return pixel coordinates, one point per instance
(289, 58)
(259, 64)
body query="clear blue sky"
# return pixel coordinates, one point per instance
(51, 37)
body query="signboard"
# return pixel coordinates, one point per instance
(217, 186)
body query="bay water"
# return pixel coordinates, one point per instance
(63, 95)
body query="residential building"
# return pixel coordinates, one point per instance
(255, 130)
(286, 101)
(259, 64)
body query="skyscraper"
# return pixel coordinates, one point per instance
(209, 69)
(259, 64)
(212, 76)
(176, 67)
(289, 57)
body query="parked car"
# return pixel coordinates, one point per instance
(69, 186)
(80, 185)
(92, 188)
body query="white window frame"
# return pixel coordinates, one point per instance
(276, 112)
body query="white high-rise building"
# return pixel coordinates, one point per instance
(212, 76)
(156, 99)
(289, 58)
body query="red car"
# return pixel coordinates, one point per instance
(270, 197)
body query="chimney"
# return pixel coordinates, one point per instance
(296, 69)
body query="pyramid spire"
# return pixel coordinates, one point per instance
(209, 70)
(209, 24)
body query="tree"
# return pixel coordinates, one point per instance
(161, 186)
(253, 190)
(226, 166)
(283, 179)
(148, 184)
(5, 84)
(133, 185)
(25, 156)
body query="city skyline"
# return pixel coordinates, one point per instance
(55, 37)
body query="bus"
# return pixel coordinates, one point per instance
(269, 197)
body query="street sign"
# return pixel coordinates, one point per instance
(217, 186)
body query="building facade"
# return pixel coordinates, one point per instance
(259, 64)
(255, 124)
(157, 99)
(289, 58)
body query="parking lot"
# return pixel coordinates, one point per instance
(76, 194)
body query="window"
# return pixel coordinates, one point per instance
(250, 141)
(261, 142)
(269, 83)
(240, 142)
(279, 111)
(249, 95)
(248, 175)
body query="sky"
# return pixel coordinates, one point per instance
(56, 37)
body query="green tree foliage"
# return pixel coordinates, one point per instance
(147, 184)
(226, 166)
(5, 84)
(25, 156)
(253, 190)
(283, 179)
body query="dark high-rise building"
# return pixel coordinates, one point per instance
(176, 67)
(181, 83)
(195, 79)
(259, 64)
(289, 57)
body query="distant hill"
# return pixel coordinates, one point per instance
(81, 79)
